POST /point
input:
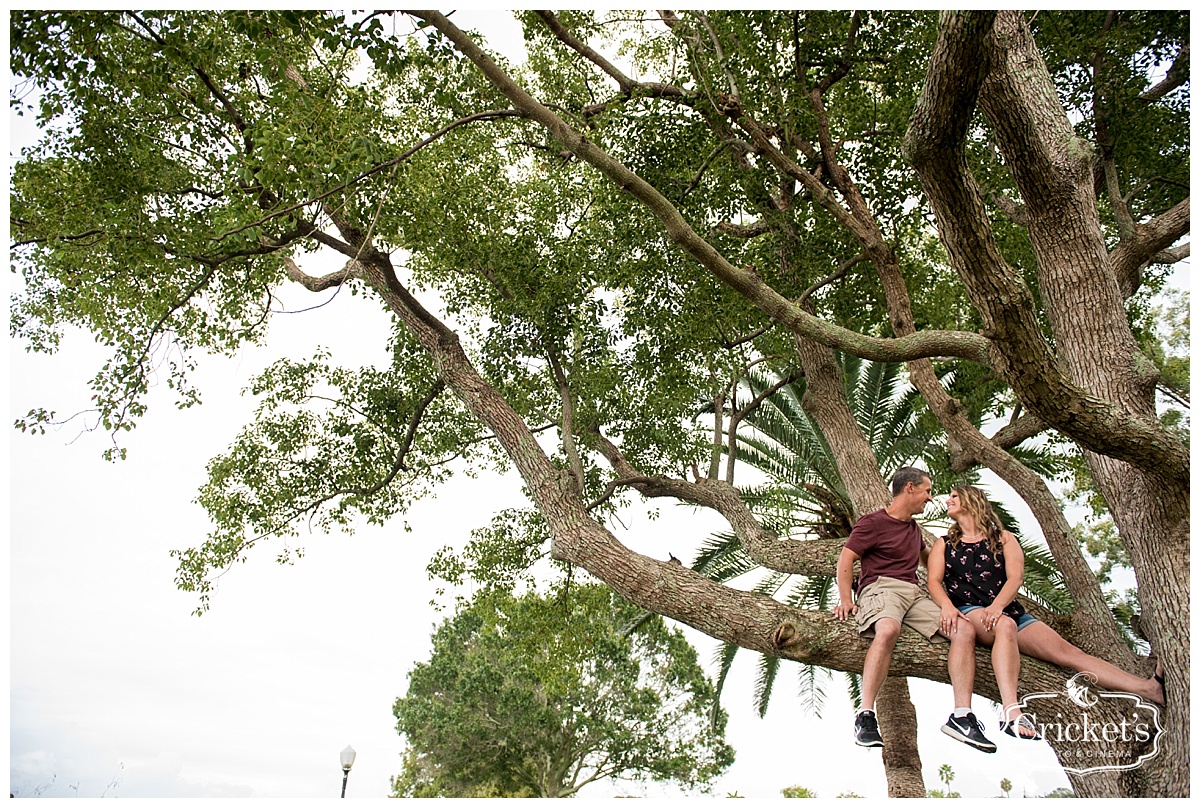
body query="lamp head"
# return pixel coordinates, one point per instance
(348, 755)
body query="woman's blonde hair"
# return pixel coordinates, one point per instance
(975, 503)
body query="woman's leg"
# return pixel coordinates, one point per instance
(1006, 663)
(1042, 642)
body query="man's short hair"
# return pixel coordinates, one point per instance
(906, 475)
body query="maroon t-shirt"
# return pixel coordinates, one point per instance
(887, 546)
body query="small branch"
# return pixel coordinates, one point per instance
(568, 420)
(613, 485)
(742, 340)
(73, 237)
(398, 464)
(843, 66)
(744, 231)
(714, 460)
(840, 273)
(1178, 396)
(626, 84)
(720, 54)
(703, 168)
(352, 269)
(1177, 76)
(736, 417)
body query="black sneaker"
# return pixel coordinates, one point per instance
(866, 730)
(968, 730)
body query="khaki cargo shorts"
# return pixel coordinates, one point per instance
(905, 603)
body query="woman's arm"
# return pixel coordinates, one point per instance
(1014, 570)
(937, 572)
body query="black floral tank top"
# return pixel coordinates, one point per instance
(974, 577)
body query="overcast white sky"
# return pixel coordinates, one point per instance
(117, 690)
(114, 680)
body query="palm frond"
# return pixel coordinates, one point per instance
(1043, 582)
(721, 558)
(724, 659)
(812, 691)
(768, 670)
(854, 689)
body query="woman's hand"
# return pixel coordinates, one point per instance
(991, 616)
(948, 622)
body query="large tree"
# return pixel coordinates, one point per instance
(540, 695)
(578, 250)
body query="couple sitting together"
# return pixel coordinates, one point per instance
(974, 574)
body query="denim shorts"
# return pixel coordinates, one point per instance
(1021, 621)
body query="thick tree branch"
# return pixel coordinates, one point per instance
(803, 557)
(559, 30)
(935, 144)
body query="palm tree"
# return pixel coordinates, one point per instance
(803, 493)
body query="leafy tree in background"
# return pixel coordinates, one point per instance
(1060, 792)
(576, 251)
(540, 695)
(798, 792)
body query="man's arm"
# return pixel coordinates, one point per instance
(845, 574)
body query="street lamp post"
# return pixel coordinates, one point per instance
(348, 755)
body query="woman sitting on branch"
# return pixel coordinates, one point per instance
(975, 572)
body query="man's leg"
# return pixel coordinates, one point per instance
(875, 669)
(879, 659)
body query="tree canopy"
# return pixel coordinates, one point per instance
(540, 695)
(582, 250)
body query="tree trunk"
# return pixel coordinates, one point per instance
(825, 401)
(898, 726)
(1085, 308)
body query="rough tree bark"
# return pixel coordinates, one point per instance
(996, 60)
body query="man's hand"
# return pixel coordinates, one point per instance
(844, 610)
